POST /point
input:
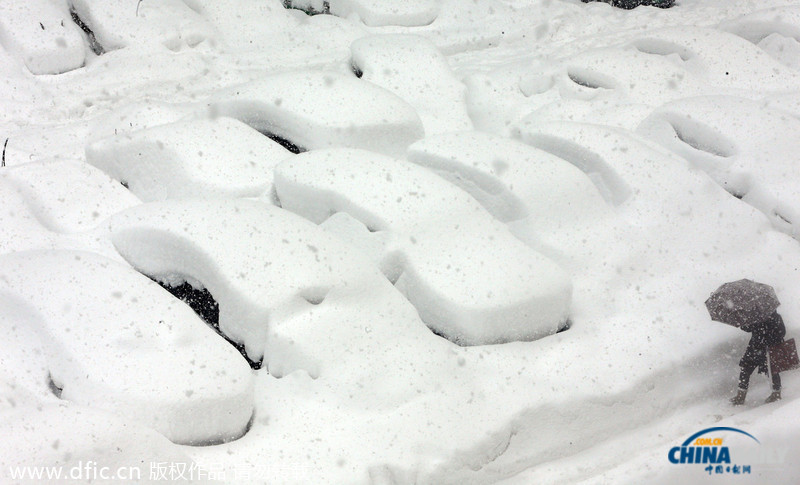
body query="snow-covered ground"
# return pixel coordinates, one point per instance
(447, 241)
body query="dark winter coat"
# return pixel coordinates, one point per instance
(765, 334)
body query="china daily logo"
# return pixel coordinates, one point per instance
(708, 448)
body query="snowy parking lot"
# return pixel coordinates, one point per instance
(373, 241)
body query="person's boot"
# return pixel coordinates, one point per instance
(775, 396)
(738, 399)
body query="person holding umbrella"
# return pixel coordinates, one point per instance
(751, 307)
(767, 333)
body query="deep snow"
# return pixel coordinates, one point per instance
(473, 177)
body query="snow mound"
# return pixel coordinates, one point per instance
(606, 151)
(116, 341)
(412, 67)
(42, 35)
(461, 269)
(121, 23)
(776, 30)
(69, 196)
(758, 25)
(68, 141)
(270, 36)
(613, 186)
(742, 145)
(471, 26)
(721, 59)
(71, 438)
(786, 50)
(498, 99)
(314, 109)
(22, 230)
(259, 262)
(673, 221)
(378, 350)
(620, 85)
(654, 188)
(55, 142)
(222, 157)
(610, 110)
(24, 376)
(354, 386)
(292, 294)
(408, 13)
(511, 180)
(616, 86)
(637, 76)
(133, 117)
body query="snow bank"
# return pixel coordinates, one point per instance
(42, 35)
(510, 179)
(116, 341)
(69, 196)
(314, 109)
(409, 13)
(742, 145)
(259, 262)
(412, 67)
(468, 277)
(222, 157)
(121, 23)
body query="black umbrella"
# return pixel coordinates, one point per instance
(742, 303)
